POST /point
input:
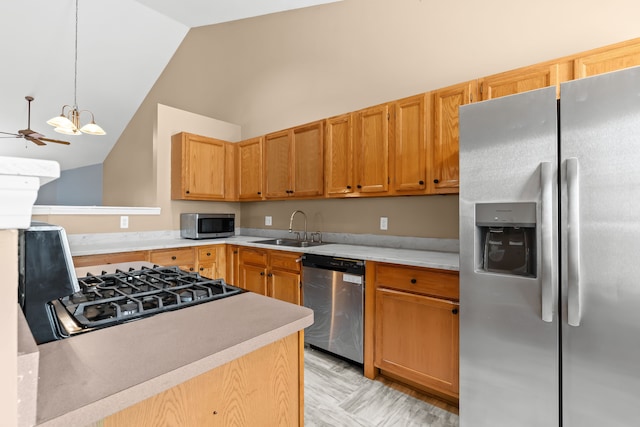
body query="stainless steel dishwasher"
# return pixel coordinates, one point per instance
(334, 289)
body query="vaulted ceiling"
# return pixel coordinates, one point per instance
(123, 47)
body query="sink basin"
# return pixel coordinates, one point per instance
(290, 242)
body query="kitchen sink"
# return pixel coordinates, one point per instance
(290, 242)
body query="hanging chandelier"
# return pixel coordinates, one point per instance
(68, 122)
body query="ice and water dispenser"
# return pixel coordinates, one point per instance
(507, 238)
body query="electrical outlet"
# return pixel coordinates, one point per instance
(268, 220)
(384, 223)
(124, 221)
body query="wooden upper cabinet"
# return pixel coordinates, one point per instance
(410, 144)
(199, 167)
(372, 149)
(293, 163)
(338, 161)
(277, 164)
(606, 59)
(249, 161)
(308, 164)
(444, 147)
(525, 79)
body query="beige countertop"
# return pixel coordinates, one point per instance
(89, 376)
(418, 258)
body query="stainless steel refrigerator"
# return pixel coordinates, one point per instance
(550, 256)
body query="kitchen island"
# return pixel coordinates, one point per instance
(88, 377)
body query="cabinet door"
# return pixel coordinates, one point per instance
(372, 150)
(253, 278)
(444, 146)
(416, 337)
(410, 144)
(250, 169)
(232, 268)
(197, 167)
(308, 163)
(604, 60)
(338, 161)
(524, 79)
(284, 285)
(277, 163)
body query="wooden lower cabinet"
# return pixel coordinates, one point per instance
(262, 388)
(272, 273)
(412, 327)
(184, 258)
(417, 339)
(211, 261)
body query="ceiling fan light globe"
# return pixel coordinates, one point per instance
(68, 131)
(92, 129)
(60, 122)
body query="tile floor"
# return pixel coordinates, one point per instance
(338, 395)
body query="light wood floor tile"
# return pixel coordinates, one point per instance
(338, 395)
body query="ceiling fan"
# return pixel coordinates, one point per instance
(29, 134)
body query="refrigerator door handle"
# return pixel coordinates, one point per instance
(548, 279)
(573, 243)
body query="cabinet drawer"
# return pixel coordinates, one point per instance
(440, 283)
(285, 260)
(173, 257)
(253, 256)
(207, 253)
(88, 260)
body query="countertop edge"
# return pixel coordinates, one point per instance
(409, 257)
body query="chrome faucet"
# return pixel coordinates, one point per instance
(304, 235)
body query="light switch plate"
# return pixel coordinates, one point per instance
(268, 220)
(384, 223)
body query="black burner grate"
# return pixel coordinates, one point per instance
(108, 299)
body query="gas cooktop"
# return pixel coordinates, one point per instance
(113, 298)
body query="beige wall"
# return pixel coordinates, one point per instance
(272, 72)
(422, 216)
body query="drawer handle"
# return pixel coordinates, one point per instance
(173, 257)
(413, 281)
(454, 311)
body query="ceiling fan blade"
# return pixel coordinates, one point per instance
(31, 133)
(34, 140)
(14, 135)
(57, 141)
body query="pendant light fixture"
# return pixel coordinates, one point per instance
(68, 122)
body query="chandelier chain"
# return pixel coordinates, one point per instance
(75, 61)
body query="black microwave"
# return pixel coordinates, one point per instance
(207, 225)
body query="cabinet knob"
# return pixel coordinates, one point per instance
(190, 268)
(269, 275)
(359, 186)
(259, 193)
(187, 191)
(208, 253)
(348, 187)
(235, 252)
(201, 268)
(435, 181)
(421, 182)
(413, 281)
(173, 257)
(454, 311)
(262, 273)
